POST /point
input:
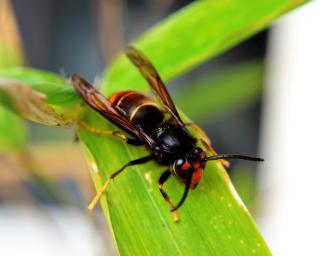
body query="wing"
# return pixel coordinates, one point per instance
(151, 75)
(94, 99)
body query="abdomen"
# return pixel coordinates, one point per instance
(139, 109)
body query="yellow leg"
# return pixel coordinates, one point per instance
(103, 132)
(175, 215)
(103, 189)
(97, 198)
(165, 175)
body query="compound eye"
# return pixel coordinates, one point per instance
(182, 164)
(180, 168)
(179, 162)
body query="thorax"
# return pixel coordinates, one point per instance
(172, 141)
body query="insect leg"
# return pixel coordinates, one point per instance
(103, 189)
(117, 134)
(185, 193)
(163, 178)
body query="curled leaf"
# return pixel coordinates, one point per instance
(30, 104)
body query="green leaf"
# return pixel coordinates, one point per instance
(234, 88)
(39, 96)
(13, 134)
(214, 221)
(56, 89)
(193, 35)
(36, 95)
(244, 179)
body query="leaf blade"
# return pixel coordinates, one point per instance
(142, 220)
(139, 217)
(185, 43)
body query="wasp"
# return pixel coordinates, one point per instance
(157, 126)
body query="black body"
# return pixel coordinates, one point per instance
(173, 142)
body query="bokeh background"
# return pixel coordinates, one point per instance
(274, 114)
